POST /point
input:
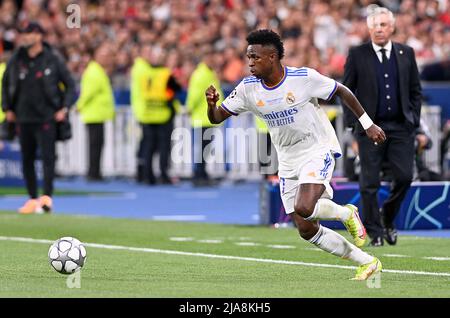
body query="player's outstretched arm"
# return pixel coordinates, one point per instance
(216, 114)
(373, 131)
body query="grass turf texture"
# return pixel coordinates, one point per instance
(25, 271)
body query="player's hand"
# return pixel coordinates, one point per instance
(10, 116)
(376, 134)
(212, 96)
(60, 115)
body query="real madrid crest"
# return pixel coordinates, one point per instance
(290, 98)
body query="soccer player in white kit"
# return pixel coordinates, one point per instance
(286, 98)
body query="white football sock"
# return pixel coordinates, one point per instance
(326, 209)
(334, 243)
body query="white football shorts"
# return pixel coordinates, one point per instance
(319, 170)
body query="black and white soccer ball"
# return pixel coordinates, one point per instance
(67, 255)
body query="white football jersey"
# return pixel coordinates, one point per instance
(297, 124)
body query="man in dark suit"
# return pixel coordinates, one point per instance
(384, 77)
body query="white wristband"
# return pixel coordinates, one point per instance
(365, 121)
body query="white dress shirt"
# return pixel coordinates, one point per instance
(387, 47)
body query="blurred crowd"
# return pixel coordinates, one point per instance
(316, 33)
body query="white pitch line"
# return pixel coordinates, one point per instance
(247, 244)
(437, 258)
(395, 255)
(281, 246)
(210, 241)
(181, 239)
(229, 257)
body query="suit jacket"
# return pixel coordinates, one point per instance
(360, 78)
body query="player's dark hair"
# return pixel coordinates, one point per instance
(266, 37)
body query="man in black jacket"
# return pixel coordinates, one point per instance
(384, 77)
(37, 91)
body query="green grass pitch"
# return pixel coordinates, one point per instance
(203, 271)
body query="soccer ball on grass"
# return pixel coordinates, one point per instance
(67, 255)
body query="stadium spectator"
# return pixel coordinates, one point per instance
(286, 98)
(2, 71)
(38, 91)
(439, 71)
(384, 76)
(96, 106)
(233, 69)
(186, 26)
(203, 76)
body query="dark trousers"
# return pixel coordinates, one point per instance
(200, 144)
(398, 151)
(96, 137)
(33, 137)
(140, 176)
(267, 156)
(156, 139)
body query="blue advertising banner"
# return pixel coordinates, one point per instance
(426, 205)
(11, 166)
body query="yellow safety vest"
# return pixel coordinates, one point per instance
(196, 103)
(149, 94)
(96, 101)
(2, 71)
(261, 125)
